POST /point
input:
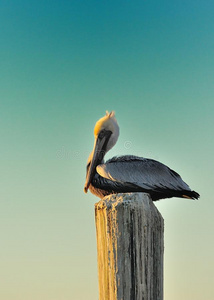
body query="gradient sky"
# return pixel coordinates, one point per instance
(62, 64)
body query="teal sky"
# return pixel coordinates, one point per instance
(62, 65)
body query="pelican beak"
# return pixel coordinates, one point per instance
(97, 155)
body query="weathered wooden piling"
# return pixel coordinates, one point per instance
(129, 248)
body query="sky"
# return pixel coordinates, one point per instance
(62, 65)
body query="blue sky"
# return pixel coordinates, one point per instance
(62, 65)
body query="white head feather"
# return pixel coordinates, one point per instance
(108, 122)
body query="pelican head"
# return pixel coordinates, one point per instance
(106, 132)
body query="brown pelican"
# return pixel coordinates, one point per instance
(129, 173)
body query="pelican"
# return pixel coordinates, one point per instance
(129, 173)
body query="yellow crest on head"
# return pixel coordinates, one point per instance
(103, 122)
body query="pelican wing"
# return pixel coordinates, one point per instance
(145, 173)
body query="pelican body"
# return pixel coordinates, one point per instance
(129, 173)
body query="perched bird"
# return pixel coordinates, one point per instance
(129, 173)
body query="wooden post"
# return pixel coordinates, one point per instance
(129, 248)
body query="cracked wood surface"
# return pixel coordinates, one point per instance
(129, 248)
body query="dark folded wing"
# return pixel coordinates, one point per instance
(146, 173)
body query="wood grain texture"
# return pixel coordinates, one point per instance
(129, 248)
